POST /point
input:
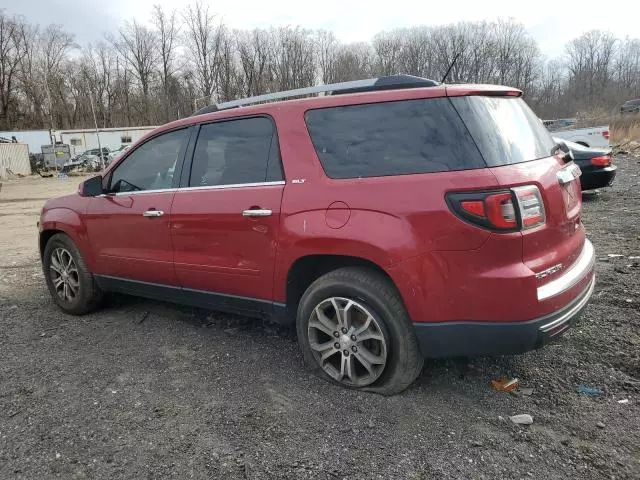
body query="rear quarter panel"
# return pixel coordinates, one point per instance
(387, 220)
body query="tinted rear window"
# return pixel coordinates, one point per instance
(392, 138)
(505, 129)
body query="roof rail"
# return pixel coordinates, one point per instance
(356, 86)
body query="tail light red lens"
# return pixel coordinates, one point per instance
(519, 208)
(603, 161)
(500, 211)
(474, 207)
(605, 134)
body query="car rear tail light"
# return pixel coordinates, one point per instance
(519, 208)
(603, 161)
(530, 205)
(605, 134)
(500, 211)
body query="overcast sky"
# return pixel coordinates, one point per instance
(551, 22)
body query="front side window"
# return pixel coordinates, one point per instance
(236, 152)
(151, 166)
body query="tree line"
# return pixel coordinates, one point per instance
(155, 72)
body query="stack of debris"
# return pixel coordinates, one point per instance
(630, 147)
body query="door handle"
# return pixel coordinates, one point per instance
(153, 213)
(257, 212)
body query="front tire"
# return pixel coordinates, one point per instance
(68, 278)
(353, 330)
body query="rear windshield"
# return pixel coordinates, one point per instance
(505, 129)
(392, 138)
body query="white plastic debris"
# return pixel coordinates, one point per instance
(522, 419)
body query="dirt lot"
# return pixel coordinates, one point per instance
(148, 390)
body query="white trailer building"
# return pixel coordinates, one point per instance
(112, 138)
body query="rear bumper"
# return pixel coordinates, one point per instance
(598, 178)
(456, 339)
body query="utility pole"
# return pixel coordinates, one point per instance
(51, 126)
(95, 123)
(46, 87)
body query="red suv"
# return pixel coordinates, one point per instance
(390, 219)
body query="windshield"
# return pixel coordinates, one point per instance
(505, 129)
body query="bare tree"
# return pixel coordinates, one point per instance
(388, 47)
(228, 70)
(12, 51)
(416, 56)
(255, 52)
(590, 62)
(204, 41)
(293, 59)
(167, 31)
(180, 59)
(326, 48)
(353, 61)
(137, 46)
(627, 67)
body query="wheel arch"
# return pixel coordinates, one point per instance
(306, 269)
(67, 221)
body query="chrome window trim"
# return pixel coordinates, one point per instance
(138, 192)
(572, 276)
(234, 185)
(205, 187)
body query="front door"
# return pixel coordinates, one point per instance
(129, 227)
(225, 222)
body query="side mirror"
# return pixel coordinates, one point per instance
(91, 187)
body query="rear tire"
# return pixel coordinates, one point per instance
(68, 278)
(377, 351)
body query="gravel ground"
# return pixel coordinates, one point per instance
(148, 390)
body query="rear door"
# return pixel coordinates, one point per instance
(518, 149)
(225, 218)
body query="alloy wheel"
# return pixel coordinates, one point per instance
(347, 341)
(64, 274)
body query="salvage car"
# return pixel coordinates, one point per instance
(390, 219)
(595, 164)
(630, 106)
(587, 137)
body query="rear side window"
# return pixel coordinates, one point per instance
(236, 152)
(392, 138)
(505, 129)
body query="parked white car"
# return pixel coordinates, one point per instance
(587, 137)
(115, 154)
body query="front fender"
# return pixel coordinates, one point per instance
(67, 221)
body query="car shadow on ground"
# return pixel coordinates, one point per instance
(212, 324)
